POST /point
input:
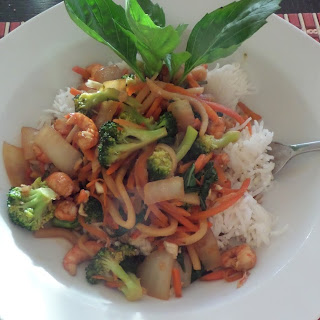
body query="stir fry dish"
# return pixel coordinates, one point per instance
(152, 168)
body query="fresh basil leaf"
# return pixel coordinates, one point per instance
(152, 41)
(154, 11)
(219, 33)
(175, 60)
(101, 19)
(181, 28)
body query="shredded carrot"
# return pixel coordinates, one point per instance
(222, 206)
(156, 222)
(222, 179)
(158, 213)
(201, 162)
(215, 275)
(176, 281)
(82, 196)
(126, 123)
(156, 114)
(113, 284)
(176, 89)
(192, 82)
(155, 105)
(75, 91)
(212, 115)
(131, 181)
(83, 72)
(93, 230)
(246, 110)
(131, 89)
(135, 234)
(114, 167)
(172, 210)
(171, 207)
(183, 167)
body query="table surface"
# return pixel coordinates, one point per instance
(22, 10)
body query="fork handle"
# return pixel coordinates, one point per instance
(305, 147)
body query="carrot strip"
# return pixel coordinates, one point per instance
(93, 230)
(212, 115)
(222, 206)
(215, 275)
(89, 154)
(156, 114)
(113, 284)
(201, 162)
(183, 167)
(75, 91)
(82, 196)
(175, 89)
(155, 105)
(158, 213)
(176, 281)
(246, 110)
(167, 206)
(222, 179)
(181, 219)
(131, 181)
(192, 82)
(131, 89)
(126, 123)
(83, 72)
(114, 167)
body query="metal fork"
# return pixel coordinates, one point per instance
(283, 153)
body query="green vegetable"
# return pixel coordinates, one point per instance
(108, 261)
(94, 211)
(117, 142)
(31, 207)
(86, 102)
(175, 60)
(197, 274)
(220, 33)
(180, 260)
(65, 224)
(159, 165)
(187, 142)
(154, 11)
(131, 114)
(168, 121)
(208, 143)
(209, 175)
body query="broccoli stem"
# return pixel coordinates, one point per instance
(228, 137)
(187, 142)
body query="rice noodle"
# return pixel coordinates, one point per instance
(56, 233)
(185, 241)
(158, 232)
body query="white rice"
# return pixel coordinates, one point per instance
(62, 105)
(246, 221)
(228, 84)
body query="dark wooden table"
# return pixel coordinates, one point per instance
(22, 10)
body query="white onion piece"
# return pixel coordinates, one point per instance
(182, 111)
(15, 164)
(208, 251)
(163, 190)
(106, 112)
(58, 150)
(172, 155)
(27, 141)
(191, 198)
(155, 274)
(94, 84)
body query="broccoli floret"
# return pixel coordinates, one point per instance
(108, 260)
(159, 164)
(31, 207)
(94, 211)
(85, 102)
(131, 114)
(117, 142)
(65, 224)
(208, 143)
(168, 121)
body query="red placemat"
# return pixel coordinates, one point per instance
(308, 22)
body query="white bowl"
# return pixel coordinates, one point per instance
(36, 60)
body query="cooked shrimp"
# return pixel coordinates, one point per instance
(88, 136)
(40, 155)
(217, 129)
(60, 183)
(76, 255)
(240, 258)
(66, 210)
(62, 127)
